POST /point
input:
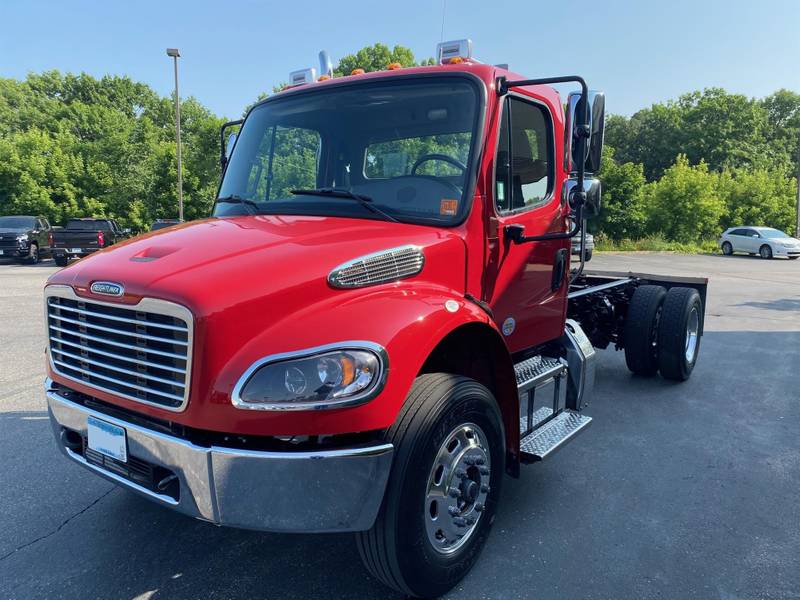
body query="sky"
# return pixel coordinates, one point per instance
(638, 52)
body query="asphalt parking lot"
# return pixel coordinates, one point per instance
(676, 491)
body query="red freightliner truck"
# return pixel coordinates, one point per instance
(379, 322)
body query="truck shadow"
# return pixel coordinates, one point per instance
(784, 304)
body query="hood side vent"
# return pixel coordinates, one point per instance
(381, 267)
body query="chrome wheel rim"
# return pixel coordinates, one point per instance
(692, 327)
(764, 252)
(458, 485)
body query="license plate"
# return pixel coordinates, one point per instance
(1, 252)
(75, 250)
(107, 439)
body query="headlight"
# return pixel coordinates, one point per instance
(326, 377)
(22, 238)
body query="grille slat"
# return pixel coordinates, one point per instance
(93, 338)
(119, 369)
(141, 352)
(118, 331)
(122, 319)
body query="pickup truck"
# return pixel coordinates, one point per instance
(81, 237)
(25, 238)
(376, 325)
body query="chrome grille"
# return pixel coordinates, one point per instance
(381, 267)
(140, 352)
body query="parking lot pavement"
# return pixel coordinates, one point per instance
(676, 491)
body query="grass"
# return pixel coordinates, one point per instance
(655, 244)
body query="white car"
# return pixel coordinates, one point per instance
(764, 241)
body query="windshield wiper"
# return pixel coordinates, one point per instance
(234, 199)
(331, 192)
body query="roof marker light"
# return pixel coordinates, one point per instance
(394, 66)
(447, 51)
(357, 72)
(302, 76)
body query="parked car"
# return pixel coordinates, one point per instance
(25, 238)
(84, 236)
(588, 248)
(162, 223)
(764, 241)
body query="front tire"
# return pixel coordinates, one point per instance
(61, 260)
(765, 252)
(679, 333)
(727, 249)
(33, 255)
(641, 329)
(442, 493)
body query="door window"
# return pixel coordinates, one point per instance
(524, 170)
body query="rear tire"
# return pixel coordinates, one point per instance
(641, 329)
(765, 252)
(61, 260)
(588, 255)
(727, 249)
(399, 550)
(679, 333)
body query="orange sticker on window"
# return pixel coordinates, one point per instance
(448, 207)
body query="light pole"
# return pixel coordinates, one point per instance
(173, 52)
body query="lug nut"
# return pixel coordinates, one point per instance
(461, 473)
(453, 510)
(484, 470)
(485, 488)
(478, 507)
(470, 460)
(460, 522)
(471, 520)
(480, 461)
(454, 492)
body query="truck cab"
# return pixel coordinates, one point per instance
(378, 322)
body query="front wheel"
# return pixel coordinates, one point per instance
(727, 249)
(442, 492)
(61, 260)
(765, 251)
(33, 255)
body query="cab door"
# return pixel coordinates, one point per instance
(526, 283)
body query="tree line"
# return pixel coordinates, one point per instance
(74, 145)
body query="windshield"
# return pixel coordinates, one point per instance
(17, 222)
(404, 146)
(773, 233)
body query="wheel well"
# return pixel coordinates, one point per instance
(477, 351)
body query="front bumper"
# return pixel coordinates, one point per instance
(322, 491)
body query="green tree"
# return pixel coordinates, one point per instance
(622, 213)
(686, 204)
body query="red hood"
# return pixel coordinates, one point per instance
(214, 264)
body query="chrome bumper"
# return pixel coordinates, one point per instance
(325, 491)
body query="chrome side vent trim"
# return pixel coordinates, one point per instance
(381, 267)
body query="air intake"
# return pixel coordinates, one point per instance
(381, 267)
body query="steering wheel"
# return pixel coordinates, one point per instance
(443, 157)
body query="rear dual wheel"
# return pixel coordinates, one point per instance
(662, 331)
(442, 493)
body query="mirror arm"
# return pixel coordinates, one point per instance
(582, 134)
(222, 157)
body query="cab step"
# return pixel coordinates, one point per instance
(552, 435)
(537, 370)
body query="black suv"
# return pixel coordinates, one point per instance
(25, 238)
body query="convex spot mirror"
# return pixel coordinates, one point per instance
(593, 189)
(229, 145)
(596, 123)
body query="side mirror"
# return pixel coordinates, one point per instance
(594, 148)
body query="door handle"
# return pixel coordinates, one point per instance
(559, 269)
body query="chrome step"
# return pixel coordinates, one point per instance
(539, 416)
(548, 438)
(536, 370)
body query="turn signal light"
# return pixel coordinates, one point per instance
(101, 240)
